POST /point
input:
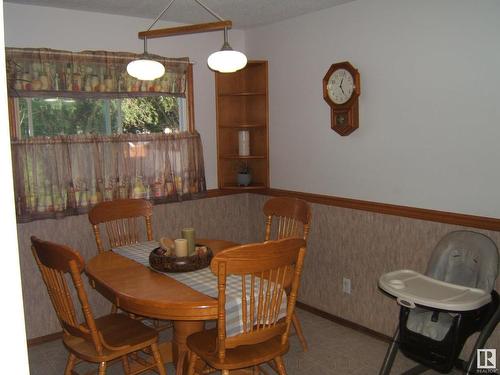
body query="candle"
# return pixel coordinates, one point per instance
(188, 234)
(244, 143)
(181, 248)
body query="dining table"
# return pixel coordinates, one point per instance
(137, 289)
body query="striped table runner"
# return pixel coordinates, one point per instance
(204, 281)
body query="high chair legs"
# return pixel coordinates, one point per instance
(481, 340)
(390, 355)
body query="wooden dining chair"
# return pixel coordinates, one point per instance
(94, 340)
(121, 219)
(288, 217)
(262, 270)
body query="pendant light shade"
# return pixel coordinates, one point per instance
(145, 69)
(227, 60)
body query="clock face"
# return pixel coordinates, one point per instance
(340, 86)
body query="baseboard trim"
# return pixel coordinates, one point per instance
(43, 339)
(344, 322)
(471, 221)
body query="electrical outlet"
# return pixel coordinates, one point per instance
(346, 285)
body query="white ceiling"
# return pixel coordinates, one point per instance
(243, 13)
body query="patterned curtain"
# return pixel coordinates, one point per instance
(65, 175)
(50, 73)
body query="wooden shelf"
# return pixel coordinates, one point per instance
(243, 157)
(248, 93)
(242, 103)
(249, 187)
(243, 126)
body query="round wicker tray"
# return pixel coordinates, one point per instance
(180, 264)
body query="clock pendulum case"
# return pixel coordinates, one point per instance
(341, 89)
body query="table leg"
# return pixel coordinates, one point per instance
(182, 329)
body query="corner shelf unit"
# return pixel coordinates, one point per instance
(242, 104)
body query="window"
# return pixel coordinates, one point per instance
(68, 116)
(84, 131)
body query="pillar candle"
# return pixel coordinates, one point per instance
(181, 249)
(189, 235)
(244, 143)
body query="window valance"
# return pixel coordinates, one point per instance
(41, 72)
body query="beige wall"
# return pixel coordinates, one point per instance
(428, 136)
(342, 243)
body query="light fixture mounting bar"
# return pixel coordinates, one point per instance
(188, 29)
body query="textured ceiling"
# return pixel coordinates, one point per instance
(243, 13)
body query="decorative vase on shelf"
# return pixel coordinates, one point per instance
(244, 179)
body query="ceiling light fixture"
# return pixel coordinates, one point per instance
(144, 67)
(226, 60)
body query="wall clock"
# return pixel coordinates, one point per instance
(341, 89)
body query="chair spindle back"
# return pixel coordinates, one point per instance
(292, 217)
(121, 219)
(265, 270)
(54, 262)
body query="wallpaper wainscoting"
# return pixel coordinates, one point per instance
(219, 217)
(361, 246)
(343, 243)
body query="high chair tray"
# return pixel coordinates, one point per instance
(412, 288)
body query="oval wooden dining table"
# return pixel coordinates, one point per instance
(139, 290)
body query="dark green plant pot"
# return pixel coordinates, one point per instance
(244, 179)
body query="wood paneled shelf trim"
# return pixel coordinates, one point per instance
(249, 187)
(243, 157)
(241, 126)
(246, 93)
(212, 193)
(465, 220)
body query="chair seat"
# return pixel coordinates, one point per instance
(118, 330)
(203, 344)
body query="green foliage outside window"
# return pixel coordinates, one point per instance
(150, 114)
(98, 116)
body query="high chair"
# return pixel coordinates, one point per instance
(443, 308)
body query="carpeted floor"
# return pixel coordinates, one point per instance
(333, 349)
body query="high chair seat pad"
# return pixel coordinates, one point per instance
(420, 321)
